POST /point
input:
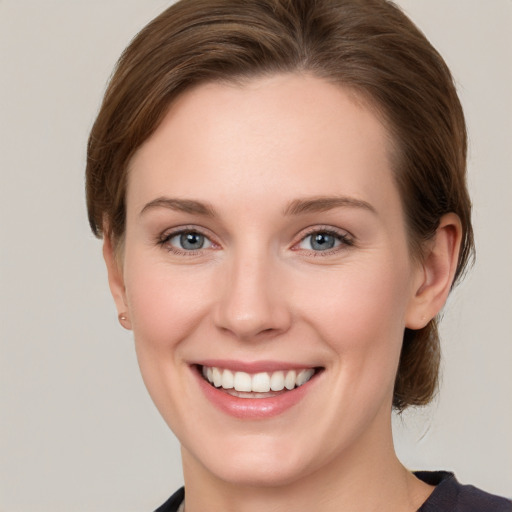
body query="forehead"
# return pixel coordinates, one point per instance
(286, 134)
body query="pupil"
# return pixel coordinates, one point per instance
(192, 241)
(322, 242)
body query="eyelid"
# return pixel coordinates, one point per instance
(208, 242)
(346, 239)
(168, 234)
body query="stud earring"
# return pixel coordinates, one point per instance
(123, 320)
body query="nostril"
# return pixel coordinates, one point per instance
(249, 307)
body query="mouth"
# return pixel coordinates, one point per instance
(256, 385)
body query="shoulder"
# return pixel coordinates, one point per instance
(173, 503)
(451, 496)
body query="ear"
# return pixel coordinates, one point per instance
(116, 281)
(435, 273)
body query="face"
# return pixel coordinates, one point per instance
(267, 278)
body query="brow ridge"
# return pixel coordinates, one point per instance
(182, 205)
(295, 207)
(325, 203)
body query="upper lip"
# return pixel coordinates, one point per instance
(253, 366)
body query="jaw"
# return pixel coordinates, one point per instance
(261, 470)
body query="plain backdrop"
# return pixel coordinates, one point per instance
(77, 429)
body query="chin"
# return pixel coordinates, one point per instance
(254, 461)
(259, 471)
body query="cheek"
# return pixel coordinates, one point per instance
(359, 312)
(360, 316)
(165, 303)
(359, 299)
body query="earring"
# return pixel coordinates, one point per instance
(123, 320)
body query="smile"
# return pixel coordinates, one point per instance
(255, 391)
(246, 385)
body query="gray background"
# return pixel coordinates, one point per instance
(77, 430)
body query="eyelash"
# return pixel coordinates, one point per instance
(165, 239)
(345, 240)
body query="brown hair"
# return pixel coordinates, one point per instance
(367, 45)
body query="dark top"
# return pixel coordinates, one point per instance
(448, 496)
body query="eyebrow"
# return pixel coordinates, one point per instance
(295, 207)
(180, 205)
(325, 203)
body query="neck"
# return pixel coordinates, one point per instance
(367, 477)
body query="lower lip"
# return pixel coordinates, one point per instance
(253, 408)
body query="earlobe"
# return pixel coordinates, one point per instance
(116, 281)
(436, 273)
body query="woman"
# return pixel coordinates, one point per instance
(281, 190)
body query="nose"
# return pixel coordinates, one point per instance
(252, 303)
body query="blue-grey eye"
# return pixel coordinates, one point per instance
(190, 241)
(320, 241)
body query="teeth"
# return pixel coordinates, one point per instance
(217, 377)
(258, 383)
(261, 383)
(289, 380)
(304, 376)
(277, 381)
(242, 382)
(227, 379)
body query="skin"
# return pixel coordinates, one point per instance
(258, 290)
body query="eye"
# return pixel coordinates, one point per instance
(187, 241)
(320, 241)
